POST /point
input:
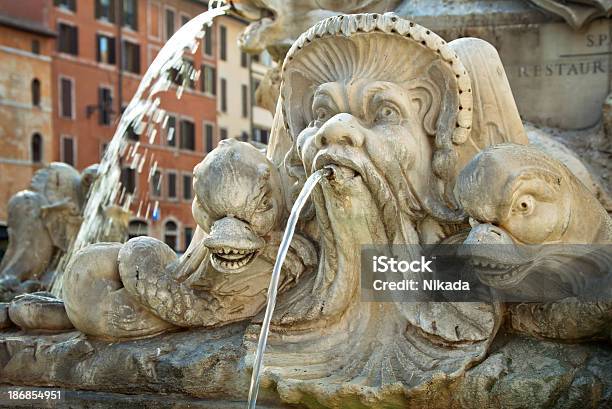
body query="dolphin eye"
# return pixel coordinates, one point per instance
(524, 205)
(264, 205)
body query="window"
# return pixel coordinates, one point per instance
(223, 42)
(35, 89)
(264, 58)
(66, 98)
(137, 228)
(35, 47)
(169, 23)
(188, 236)
(172, 185)
(209, 80)
(36, 148)
(171, 131)
(223, 133)
(261, 135)
(65, 4)
(244, 59)
(131, 57)
(208, 41)
(131, 133)
(105, 10)
(156, 187)
(68, 155)
(245, 101)
(187, 135)
(105, 52)
(223, 95)
(171, 234)
(68, 39)
(183, 77)
(184, 19)
(105, 103)
(130, 14)
(187, 185)
(103, 149)
(128, 180)
(208, 136)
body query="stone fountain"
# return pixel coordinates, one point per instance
(422, 144)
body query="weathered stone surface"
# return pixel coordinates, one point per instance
(197, 363)
(142, 288)
(390, 113)
(577, 12)
(5, 322)
(39, 312)
(203, 369)
(607, 118)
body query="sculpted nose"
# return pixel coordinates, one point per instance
(342, 129)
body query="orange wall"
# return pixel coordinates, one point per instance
(89, 74)
(19, 119)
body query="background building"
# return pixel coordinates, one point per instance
(234, 81)
(262, 118)
(26, 136)
(69, 68)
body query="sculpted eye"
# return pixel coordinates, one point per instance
(524, 205)
(388, 113)
(265, 205)
(321, 115)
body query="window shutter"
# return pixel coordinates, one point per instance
(111, 50)
(137, 58)
(111, 11)
(98, 44)
(75, 40)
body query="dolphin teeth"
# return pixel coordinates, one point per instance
(229, 258)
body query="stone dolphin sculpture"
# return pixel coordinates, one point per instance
(528, 214)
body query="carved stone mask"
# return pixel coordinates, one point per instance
(399, 113)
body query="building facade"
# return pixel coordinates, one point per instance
(26, 134)
(234, 104)
(262, 117)
(86, 59)
(104, 48)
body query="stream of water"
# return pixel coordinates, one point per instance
(143, 116)
(309, 186)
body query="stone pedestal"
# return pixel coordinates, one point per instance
(560, 76)
(204, 369)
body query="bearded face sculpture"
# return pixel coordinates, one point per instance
(395, 130)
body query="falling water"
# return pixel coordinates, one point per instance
(142, 114)
(309, 186)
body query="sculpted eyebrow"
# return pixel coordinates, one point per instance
(383, 92)
(324, 97)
